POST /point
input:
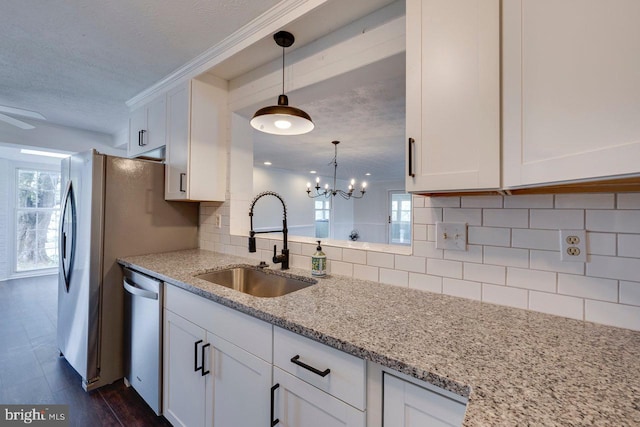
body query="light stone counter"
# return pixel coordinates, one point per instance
(517, 367)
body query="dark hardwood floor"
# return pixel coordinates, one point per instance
(32, 372)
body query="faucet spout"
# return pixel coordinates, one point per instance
(283, 258)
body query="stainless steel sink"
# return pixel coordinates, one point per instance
(253, 281)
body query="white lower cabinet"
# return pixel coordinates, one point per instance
(186, 391)
(241, 383)
(299, 404)
(408, 405)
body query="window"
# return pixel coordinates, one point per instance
(400, 218)
(323, 215)
(37, 218)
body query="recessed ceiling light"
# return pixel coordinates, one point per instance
(312, 171)
(267, 163)
(368, 174)
(44, 153)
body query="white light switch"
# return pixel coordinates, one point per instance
(451, 235)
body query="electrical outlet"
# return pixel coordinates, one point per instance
(573, 245)
(451, 235)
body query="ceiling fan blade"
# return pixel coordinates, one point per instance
(21, 112)
(16, 122)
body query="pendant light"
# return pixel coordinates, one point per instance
(282, 119)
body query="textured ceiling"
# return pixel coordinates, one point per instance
(78, 61)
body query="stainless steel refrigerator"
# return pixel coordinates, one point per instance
(112, 207)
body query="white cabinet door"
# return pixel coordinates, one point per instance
(571, 90)
(177, 152)
(147, 127)
(196, 155)
(298, 404)
(241, 386)
(453, 95)
(186, 391)
(408, 405)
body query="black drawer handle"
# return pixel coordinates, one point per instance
(202, 349)
(296, 359)
(273, 392)
(195, 357)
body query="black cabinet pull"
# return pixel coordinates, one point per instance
(64, 245)
(296, 359)
(195, 357)
(141, 142)
(182, 175)
(411, 143)
(202, 350)
(273, 398)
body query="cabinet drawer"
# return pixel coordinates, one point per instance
(250, 334)
(347, 373)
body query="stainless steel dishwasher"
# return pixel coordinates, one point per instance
(143, 336)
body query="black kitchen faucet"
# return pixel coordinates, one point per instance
(283, 258)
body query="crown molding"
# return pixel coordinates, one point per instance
(272, 20)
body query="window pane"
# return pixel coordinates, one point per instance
(406, 205)
(318, 204)
(405, 217)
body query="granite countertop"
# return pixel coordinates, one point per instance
(516, 367)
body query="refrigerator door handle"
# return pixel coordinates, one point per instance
(69, 208)
(134, 290)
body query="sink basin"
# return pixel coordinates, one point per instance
(256, 282)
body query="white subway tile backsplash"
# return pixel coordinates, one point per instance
(394, 277)
(556, 219)
(419, 232)
(504, 295)
(550, 261)
(535, 239)
(630, 293)
(614, 268)
(629, 244)
(492, 236)
(509, 257)
(354, 256)
(601, 243)
(620, 315)
(340, 268)
(366, 272)
(442, 202)
(559, 305)
(529, 201)
(427, 215)
(462, 288)
(425, 282)
(469, 216)
(332, 252)
(511, 218)
(585, 201)
(410, 263)
(444, 268)
(418, 201)
(544, 281)
(380, 259)
(484, 273)
(588, 287)
(472, 254)
(628, 200)
(613, 221)
(481, 202)
(427, 249)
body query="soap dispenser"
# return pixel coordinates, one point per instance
(319, 262)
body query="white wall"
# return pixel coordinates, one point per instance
(512, 259)
(4, 218)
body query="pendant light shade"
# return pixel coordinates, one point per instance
(282, 119)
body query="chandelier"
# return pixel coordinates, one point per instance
(328, 192)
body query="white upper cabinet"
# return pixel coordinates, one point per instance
(196, 155)
(571, 90)
(147, 127)
(453, 95)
